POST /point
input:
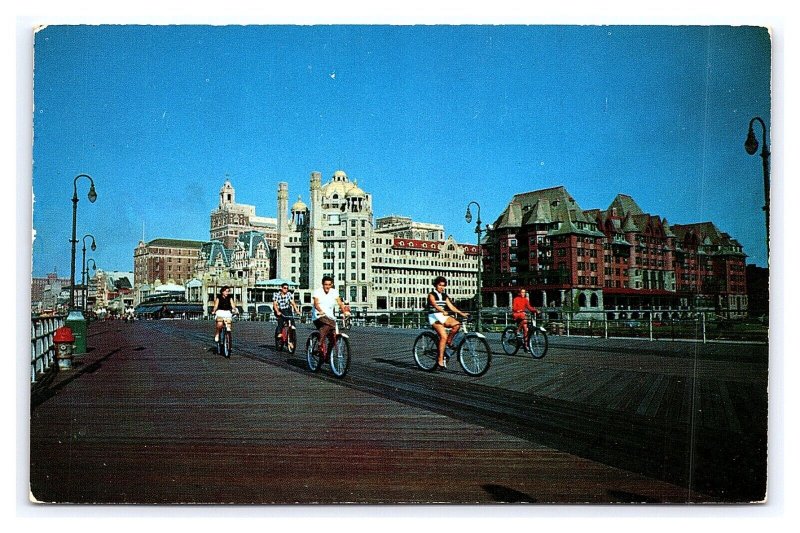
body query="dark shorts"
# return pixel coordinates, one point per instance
(324, 321)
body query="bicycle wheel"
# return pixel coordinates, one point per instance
(537, 343)
(313, 355)
(221, 342)
(225, 341)
(340, 358)
(474, 355)
(509, 340)
(426, 351)
(293, 340)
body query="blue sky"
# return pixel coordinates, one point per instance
(426, 118)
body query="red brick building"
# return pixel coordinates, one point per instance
(605, 262)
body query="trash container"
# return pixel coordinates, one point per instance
(79, 326)
(63, 339)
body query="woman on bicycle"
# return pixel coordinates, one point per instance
(518, 308)
(439, 308)
(224, 306)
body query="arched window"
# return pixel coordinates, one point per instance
(594, 300)
(582, 300)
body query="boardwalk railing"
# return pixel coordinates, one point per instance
(43, 350)
(643, 324)
(647, 325)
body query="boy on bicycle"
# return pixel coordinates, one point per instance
(518, 308)
(324, 299)
(285, 309)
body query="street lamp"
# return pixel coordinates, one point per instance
(92, 197)
(478, 298)
(83, 270)
(751, 145)
(85, 286)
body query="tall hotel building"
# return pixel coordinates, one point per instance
(599, 262)
(388, 263)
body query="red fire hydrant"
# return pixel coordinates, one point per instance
(64, 340)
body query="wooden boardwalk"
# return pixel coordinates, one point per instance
(152, 415)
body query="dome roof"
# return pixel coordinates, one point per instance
(336, 187)
(355, 190)
(299, 205)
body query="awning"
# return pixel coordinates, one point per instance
(145, 310)
(184, 308)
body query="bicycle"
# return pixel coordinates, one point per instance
(338, 355)
(537, 343)
(474, 354)
(225, 342)
(286, 336)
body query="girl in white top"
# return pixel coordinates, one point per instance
(439, 307)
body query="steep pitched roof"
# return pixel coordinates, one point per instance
(214, 249)
(625, 205)
(543, 207)
(709, 235)
(251, 240)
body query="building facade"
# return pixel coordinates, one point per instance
(245, 268)
(386, 264)
(38, 287)
(163, 261)
(601, 262)
(230, 219)
(331, 237)
(111, 291)
(408, 255)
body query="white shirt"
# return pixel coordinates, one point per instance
(326, 301)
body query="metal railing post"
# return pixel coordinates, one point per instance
(703, 315)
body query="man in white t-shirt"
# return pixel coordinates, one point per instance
(324, 299)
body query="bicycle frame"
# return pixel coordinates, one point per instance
(463, 330)
(285, 330)
(531, 325)
(336, 335)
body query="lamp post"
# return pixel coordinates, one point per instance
(83, 270)
(85, 285)
(214, 283)
(478, 297)
(92, 197)
(751, 145)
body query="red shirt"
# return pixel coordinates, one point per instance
(521, 304)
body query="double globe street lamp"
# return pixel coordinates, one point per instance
(478, 230)
(92, 197)
(751, 146)
(84, 272)
(86, 285)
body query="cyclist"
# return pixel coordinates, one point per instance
(285, 310)
(324, 299)
(439, 308)
(518, 308)
(224, 307)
